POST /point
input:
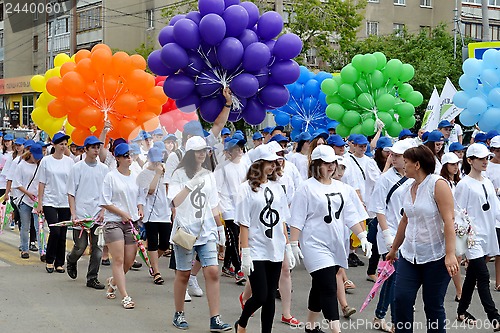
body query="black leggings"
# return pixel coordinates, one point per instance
(56, 245)
(157, 235)
(323, 293)
(232, 255)
(264, 281)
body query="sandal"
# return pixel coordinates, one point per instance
(110, 294)
(157, 279)
(348, 311)
(348, 284)
(497, 288)
(167, 253)
(128, 303)
(467, 318)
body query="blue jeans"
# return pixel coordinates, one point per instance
(434, 279)
(25, 213)
(206, 252)
(386, 296)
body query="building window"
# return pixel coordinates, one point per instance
(474, 30)
(425, 3)
(1, 38)
(494, 3)
(61, 27)
(89, 19)
(478, 2)
(35, 15)
(311, 57)
(400, 2)
(371, 28)
(1, 12)
(35, 43)
(150, 13)
(425, 29)
(374, 1)
(398, 29)
(495, 32)
(27, 109)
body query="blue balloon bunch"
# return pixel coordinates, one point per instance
(480, 97)
(227, 44)
(305, 110)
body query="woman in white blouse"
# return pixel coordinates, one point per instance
(53, 176)
(320, 209)
(427, 239)
(477, 196)
(123, 201)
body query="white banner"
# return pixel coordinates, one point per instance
(432, 113)
(447, 94)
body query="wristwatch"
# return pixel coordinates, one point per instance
(227, 105)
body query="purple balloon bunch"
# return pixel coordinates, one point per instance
(227, 44)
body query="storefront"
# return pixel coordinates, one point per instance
(17, 101)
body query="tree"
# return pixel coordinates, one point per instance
(430, 53)
(323, 24)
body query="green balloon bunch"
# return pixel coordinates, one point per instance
(371, 88)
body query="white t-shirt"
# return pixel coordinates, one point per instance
(229, 179)
(471, 197)
(85, 184)
(302, 163)
(493, 174)
(172, 162)
(10, 175)
(54, 174)
(439, 166)
(456, 131)
(291, 180)
(3, 165)
(24, 174)
(157, 208)
(354, 177)
(135, 167)
(110, 160)
(197, 206)
(123, 192)
(263, 213)
(321, 212)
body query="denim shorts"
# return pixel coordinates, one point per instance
(206, 252)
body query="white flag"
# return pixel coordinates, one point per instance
(448, 113)
(432, 113)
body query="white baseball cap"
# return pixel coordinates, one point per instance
(399, 147)
(450, 158)
(196, 143)
(495, 142)
(275, 146)
(341, 161)
(263, 152)
(324, 153)
(478, 150)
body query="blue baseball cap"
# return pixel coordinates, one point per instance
(304, 136)
(267, 130)
(360, 140)
(43, 144)
(335, 140)
(8, 137)
(1, 134)
(257, 136)
(406, 132)
(425, 135)
(368, 151)
(383, 142)
(160, 145)
(193, 128)
(444, 124)
(20, 141)
(36, 151)
(28, 143)
(145, 135)
(456, 146)
(238, 136)
(332, 124)
(491, 134)
(170, 137)
(225, 131)
(59, 137)
(480, 137)
(435, 136)
(91, 140)
(138, 138)
(157, 131)
(155, 154)
(121, 149)
(279, 138)
(320, 133)
(135, 149)
(233, 143)
(118, 141)
(352, 137)
(279, 127)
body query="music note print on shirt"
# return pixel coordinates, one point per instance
(198, 200)
(269, 216)
(329, 197)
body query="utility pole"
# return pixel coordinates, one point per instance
(486, 24)
(455, 31)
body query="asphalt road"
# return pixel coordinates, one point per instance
(33, 301)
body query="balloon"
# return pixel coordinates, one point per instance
(490, 119)
(60, 59)
(284, 72)
(335, 111)
(385, 102)
(468, 118)
(394, 68)
(212, 29)
(349, 74)
(176, 18)
(67, 67)
(369, 63)
(73, 83)
(472, 67)
(55, 86)
(228, 3)
(254, 112)
(460, 99)
(79, 135)
(236, 18)
(394, 129)
(386, 118)
(56, 108)
(253, 13)
(288, 46)
(244, 85)
(347, 91)
(407, 73)
(248, 37)
(37, 82)
(357, 62)
(166, 35)
(230, 53)
(207, 84)
(376, 79)
(415, 98)
(381, 60)
(211, 6)
(311, 88)
(178, 86)
(89, 116)
(405, 110)
(405, 89)
(407, 122)
(156, 64)
(188, 104)
(365, 100)
(174, 56)
(351, 118)
(269, 25)
(262, 76)
(82, 54)
(274, 96)
(477, 105)
(490, 77)
(126, 104)
(196, 65)
(194, 16)
(368, 127)
(187, 34)
(282, 118)
(256, 56)
(101, 60)
(329, 86)
(343, 130)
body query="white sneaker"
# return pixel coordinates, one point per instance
(193, 287)
(12, 225)
(187, 298)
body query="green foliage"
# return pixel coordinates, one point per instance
(430, 54)
(181, 7)
(145, 49)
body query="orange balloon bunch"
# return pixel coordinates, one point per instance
(101, 86)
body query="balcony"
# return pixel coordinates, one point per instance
(61, 42)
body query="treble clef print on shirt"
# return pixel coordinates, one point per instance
(269, 216)
(198, 200)
(329, 197)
